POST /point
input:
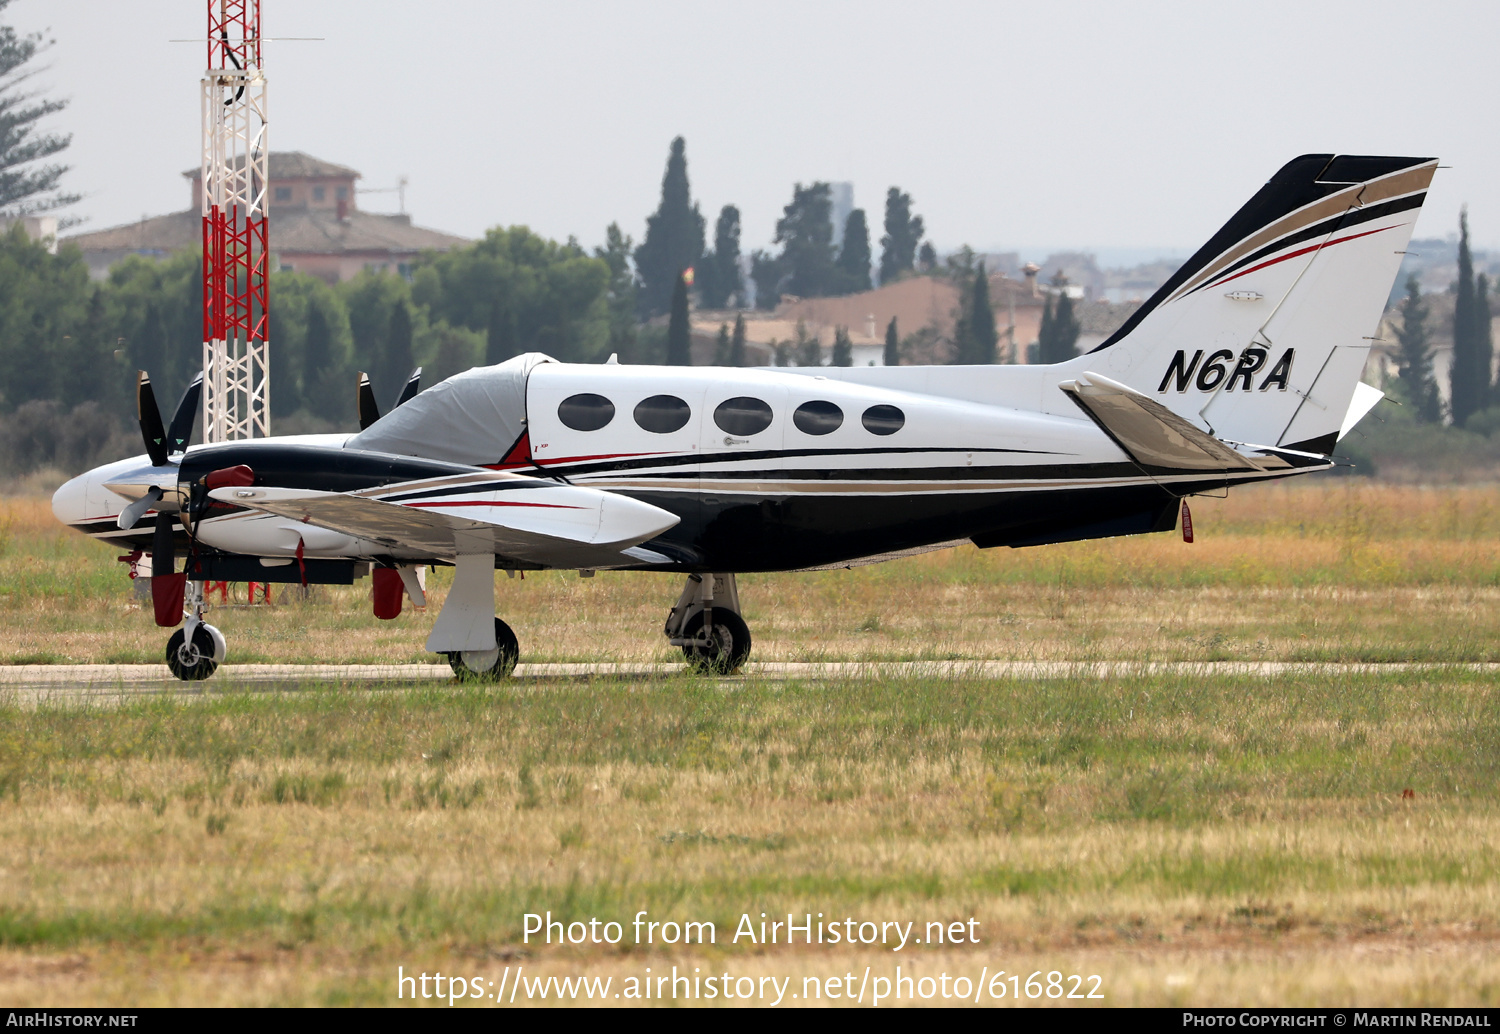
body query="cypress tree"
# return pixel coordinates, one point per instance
(737, 343)
(982, 333)
(1414, 359)
(843, 348)
(903, 231)
(679, 332)
(1484, 344)
(1467, 393)
(722, 346)
(1058, 337)
(892, 344)
(674, 236)
(854, 257)
(718, 280)
(807, 351)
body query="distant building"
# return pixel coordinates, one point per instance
(41, 228)
(924, 307)
(316, 227)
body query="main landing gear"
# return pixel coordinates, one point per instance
(195, 650)
(488, 665)
(706, 624)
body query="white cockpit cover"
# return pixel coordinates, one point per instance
(473, 417)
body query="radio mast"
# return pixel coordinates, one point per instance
(236, 361)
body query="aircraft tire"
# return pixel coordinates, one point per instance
(488, 665)
(731, 643)
(192, 662)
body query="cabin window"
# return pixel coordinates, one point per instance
(318, 193)
(818, 417)
(283, 193)
(586, 412)
(883, 419)
(341, 193)
(662, 414)
(743, 416)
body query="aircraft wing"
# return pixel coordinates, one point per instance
(1153, 435)
(509, 515)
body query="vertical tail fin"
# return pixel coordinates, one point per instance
(1263, 334)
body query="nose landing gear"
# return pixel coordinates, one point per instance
(195, 650)
(706, 624)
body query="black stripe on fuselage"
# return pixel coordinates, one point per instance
(562, 468)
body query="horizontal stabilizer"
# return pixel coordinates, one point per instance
(492, 512)
(1150, 433)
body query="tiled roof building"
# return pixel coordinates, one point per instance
(316, 227)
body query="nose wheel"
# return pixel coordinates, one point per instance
(194, 657)
(488, 665)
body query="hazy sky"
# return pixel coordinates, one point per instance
(1094, 125)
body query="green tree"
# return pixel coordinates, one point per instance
(1414, 358)
(369, 299)
(399, 355)
(674, 236)
(805, 233)
(556, 296)
(1484, 343)
(854, 256)
(806, 350)
(718, 279)
(43, 301)
(25, 185)
(722, 344)
(903, 232)
(737, 342)
(1469, 382)
(1057, 339)
(892, 344)
(679, 330)
(927, 258)
(621, 304)
(843, 348)
(978, 346)
(444, 350)
(769, 278)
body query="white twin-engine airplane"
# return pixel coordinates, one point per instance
(1245, 366)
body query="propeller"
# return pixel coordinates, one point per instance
(369, 409)
(413, 385)
(161, 443)
(150, 418)
(132, 514)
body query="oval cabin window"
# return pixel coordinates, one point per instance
(662, 414)
(883, 419)
(818, 417)
(586, 412)
(743, 416)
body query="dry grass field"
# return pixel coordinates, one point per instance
(1189, 839)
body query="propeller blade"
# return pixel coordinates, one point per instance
(369, 409)
(413, 385)
(150, 418)
(163, 553)
(185, 417)
(132, 514)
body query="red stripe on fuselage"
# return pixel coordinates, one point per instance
(465, 502)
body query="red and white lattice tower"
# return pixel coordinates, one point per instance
(236, 363)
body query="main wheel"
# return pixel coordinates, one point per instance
(193, 661)
(730, 643)
(488, 665)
